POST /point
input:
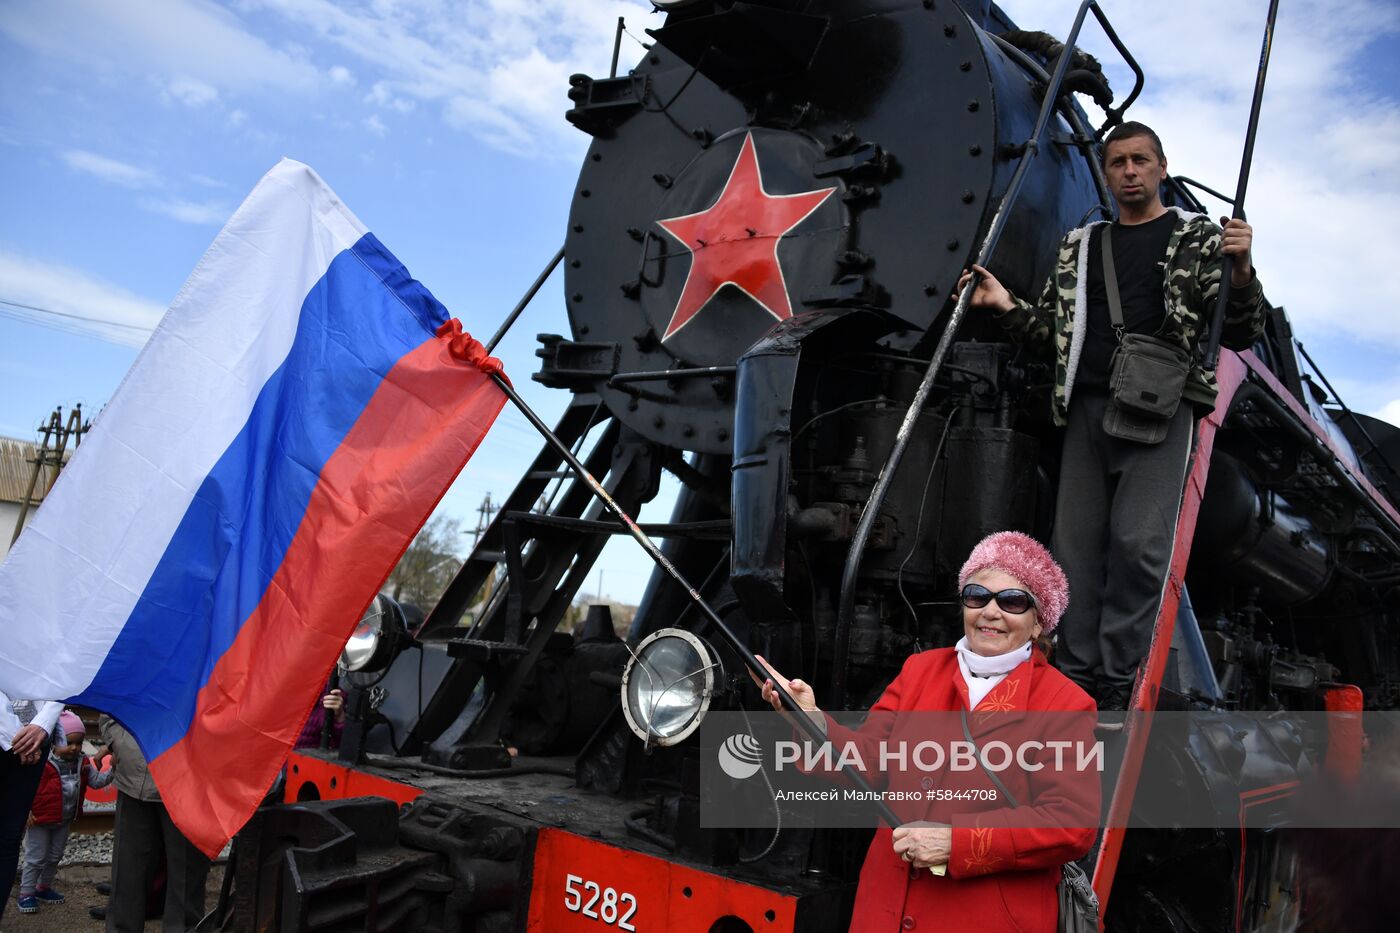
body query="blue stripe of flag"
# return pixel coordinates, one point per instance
(359, 319)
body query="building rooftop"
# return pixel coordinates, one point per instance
(17, 466)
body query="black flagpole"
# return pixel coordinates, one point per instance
(1217, 323)
(328, 724)
(800, 718)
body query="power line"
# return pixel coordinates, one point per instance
(92, 331)
(73, 317)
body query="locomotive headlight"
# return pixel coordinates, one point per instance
(378, 637)
(668, 684)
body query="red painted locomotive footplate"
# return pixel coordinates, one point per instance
(332, 780)
(586, 885)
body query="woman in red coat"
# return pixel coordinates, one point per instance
(984, 865)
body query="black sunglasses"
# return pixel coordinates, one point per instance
(1012, 601)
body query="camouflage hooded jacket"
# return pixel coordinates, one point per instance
(1058, 319)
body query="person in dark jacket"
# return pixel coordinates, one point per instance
(58, 802)
(144, 834)
(1116, 509)
(25, 736)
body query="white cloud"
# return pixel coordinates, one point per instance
(495, 68)
(190, 212)
(1389, 412)
(237, 118)
(381, 95)
(129, 176)
(376, 126)
(109, 170)
(75, 301)
(196, 39)
(378, 94)
(191, 92)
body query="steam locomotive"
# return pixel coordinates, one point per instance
(772, 214)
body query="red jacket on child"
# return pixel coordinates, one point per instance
(48, 799)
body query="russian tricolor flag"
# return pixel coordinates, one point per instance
(278, 443)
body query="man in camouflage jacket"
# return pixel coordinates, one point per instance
(1115, 513)
(1191, 287)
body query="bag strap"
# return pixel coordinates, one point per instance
(1110, 282)
(978, 752)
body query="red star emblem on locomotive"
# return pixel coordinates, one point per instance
(735, 241)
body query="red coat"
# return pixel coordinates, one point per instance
(48, 799)
(1002, 873)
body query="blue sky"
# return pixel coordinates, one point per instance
(130, 131)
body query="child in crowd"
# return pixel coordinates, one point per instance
(59, 800)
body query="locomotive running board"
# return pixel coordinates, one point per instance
(1234, 371)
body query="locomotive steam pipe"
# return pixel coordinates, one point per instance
(846, 612)
(1217, 322)
(741, 649)
(617, 46)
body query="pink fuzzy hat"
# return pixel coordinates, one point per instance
(71, 723)
(1028, 561)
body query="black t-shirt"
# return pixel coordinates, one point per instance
(1139, 258)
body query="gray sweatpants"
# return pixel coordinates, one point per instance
(1115, 523)
(43, 850)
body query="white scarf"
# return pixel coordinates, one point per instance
(981, 674)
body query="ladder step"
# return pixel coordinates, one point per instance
(481, 650)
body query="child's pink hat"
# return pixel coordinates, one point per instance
(1026, 559)
(71, 723)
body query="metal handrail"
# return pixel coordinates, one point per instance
(1115, 116)
(845, 614)
(1183, 180)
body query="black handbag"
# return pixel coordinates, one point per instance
(1079, 905)
(1147, 376)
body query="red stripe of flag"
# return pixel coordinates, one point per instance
(374, 494)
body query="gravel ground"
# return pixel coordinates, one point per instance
(94, 849)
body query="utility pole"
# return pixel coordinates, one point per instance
(57, 432)
(484, 513)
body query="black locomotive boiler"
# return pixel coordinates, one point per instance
(773, 211)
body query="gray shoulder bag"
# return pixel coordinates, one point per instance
(1147, 376)
(1079, 905)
